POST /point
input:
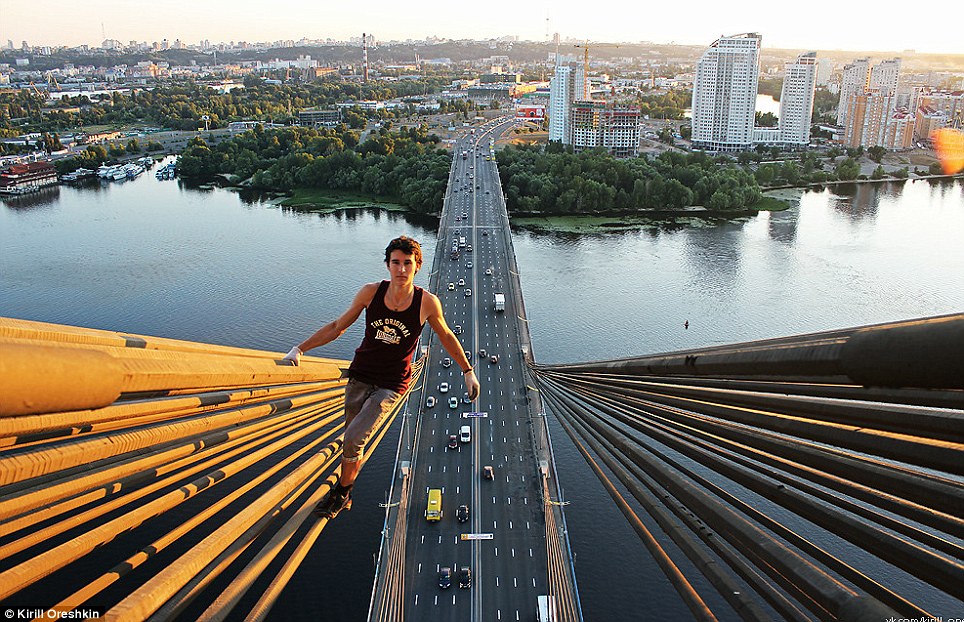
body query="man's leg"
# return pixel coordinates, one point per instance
(376, 405)
(349, 471)
(366, 406)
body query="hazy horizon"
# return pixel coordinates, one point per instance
(58, 22)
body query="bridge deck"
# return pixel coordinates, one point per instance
(514, 541)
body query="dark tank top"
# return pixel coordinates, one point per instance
(384, 357)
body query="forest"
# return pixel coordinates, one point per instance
(405, 166)
(554, 180)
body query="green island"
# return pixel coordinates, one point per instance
(328, 201)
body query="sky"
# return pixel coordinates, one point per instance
(826, 25)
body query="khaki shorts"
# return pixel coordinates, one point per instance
(366, 406)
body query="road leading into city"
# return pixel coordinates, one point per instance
(502, 540)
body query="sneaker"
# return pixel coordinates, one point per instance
(335, 501)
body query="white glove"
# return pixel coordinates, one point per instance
(293, 356)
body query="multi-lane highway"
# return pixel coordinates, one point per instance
(503, 541)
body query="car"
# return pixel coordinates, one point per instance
(468, 265)
(453, 441)
(461, 282)
(468, 355)
(462, 514)
(485, 232)
(465, 577)
(468, 293)
(494, 359)
(488, 272)
(466, 399)
(478, 187)
(483, 353)
(446, 362)
(443, 388)
(468, 249)
(430, 402)
(487, 472)
(453, 402)
(465, 214)
(445, 577)
(451, 286)
(457, 329)
(487, 192)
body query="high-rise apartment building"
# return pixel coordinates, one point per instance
(796, 100)
(870, 108)
(560, 99)
(884, 75)
(621, 130)
(586, 118)
(875, 120)
(569, 84)
(824, 71)
(613, 127)
(866, 117)
(724, 94)
(854, 82)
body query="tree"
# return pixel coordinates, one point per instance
(878, 172)
(876, 153)
(847, 169)
(50, 143)
(766, 119)
(790, 172)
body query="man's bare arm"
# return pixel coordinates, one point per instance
(451, 344)
(336, 328)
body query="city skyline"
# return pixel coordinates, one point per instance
(57, 22)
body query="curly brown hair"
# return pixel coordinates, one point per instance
(408, 246)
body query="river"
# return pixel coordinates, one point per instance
(217, 266)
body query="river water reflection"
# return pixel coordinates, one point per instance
(214, 266)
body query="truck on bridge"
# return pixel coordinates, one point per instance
(499, 302)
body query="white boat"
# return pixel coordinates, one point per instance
(132, 170)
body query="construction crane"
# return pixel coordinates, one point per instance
(585, 47)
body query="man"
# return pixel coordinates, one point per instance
(395, 312)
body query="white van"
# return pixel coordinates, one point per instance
(465, 434)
